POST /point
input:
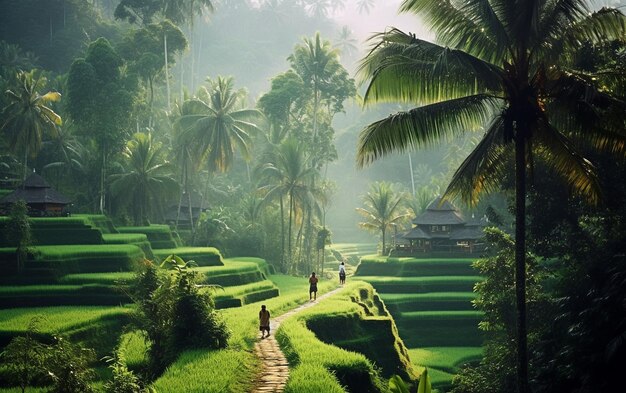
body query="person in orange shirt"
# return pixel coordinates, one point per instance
(313, 286)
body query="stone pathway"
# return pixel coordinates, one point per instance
(273, 377)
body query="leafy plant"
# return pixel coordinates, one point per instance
(24, 357)
(18, 232)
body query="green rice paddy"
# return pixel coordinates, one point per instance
(431, 301)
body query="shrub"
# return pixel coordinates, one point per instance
(175, 314)
(24, 359)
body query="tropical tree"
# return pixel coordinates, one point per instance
(147, 181)
(217, 122)
(508, 65)
(317, 63)
(383, 209)
(346, 42)
(27, 116)
(101, 102)
(288, 174)
(364, 6)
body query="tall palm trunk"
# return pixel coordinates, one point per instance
(289, 229)
(102, 174)
(25, 164)
(183, 180)
(520, 262)
(412, 176)
(384, 232)
(282, 233)
(167, 73)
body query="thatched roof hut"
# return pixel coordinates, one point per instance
(40, 197)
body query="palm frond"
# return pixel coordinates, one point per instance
(602, 26)
(463, 27)
(401, 67)
(558, 153)
(557, 16)
(422, 126)
(484, 168)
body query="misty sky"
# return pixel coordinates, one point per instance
(381, 16)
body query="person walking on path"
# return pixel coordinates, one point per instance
(264, 321)
(313, 286)
(342, 273)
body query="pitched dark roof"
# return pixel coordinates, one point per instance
(468, 233)
(35, 190)
(416, 233)
(196, 202)
(446, 214)
(35, 181)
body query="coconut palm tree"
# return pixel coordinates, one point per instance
(365, 6)
(504, 64)
(217, 122)
(288, 174)
(27, 116)
(148, 179)
(346, 42)
(383, 209)
(316, 62)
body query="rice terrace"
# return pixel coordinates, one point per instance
(312, 196)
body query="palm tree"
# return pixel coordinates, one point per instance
(383, 209)
(364, 6)
(288, 174)
(346, 41)
(505, 64)
(316, 62)
(27, 116)
(148, 179)
(216, 122)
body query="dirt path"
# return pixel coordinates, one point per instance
(275, 372)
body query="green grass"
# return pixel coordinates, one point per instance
(94, 327)
(203, 256)
(440, 328)
(86, 258)
(237, 363)
(113, 278)
(160, 236)
(306, 353)
(447, 359)
(432, 301)
(412, 267)
(206, 371)
(421, 284)
(59, 295)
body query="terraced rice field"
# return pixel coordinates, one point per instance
(431, 302)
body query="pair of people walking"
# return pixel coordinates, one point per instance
(264, 314)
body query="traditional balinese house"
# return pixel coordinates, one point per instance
(442, 228)
(41, 198)
(198, 205)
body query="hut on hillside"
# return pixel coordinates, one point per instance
(442, 228)
(198, 205)
(41, 198)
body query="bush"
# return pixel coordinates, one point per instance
(175, 314)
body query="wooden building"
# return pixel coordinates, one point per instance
(443, 229)
(172, 216)
(41, 198)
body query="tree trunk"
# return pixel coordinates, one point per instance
(102, 174)
(412, 177)
(520, 262)
(282, 234)
(180, 198)
(289, 229)
(383, 241)
(25, 165)
(167, 73)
